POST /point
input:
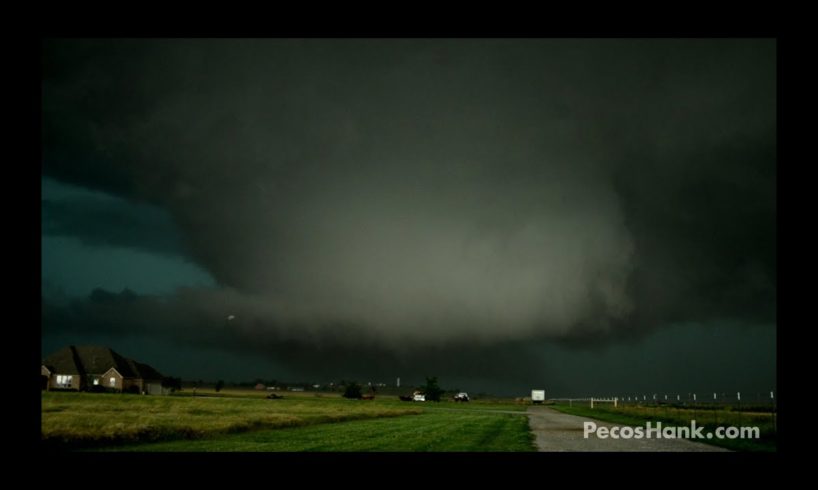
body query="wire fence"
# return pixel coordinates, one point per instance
(733, 408)
(736, 400)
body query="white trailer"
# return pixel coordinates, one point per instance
(537, 396)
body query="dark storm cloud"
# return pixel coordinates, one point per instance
(192, 330)
(111, 222)
(320, 349)
(407, 192)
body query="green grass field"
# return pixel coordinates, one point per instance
(638, 415)
(243, 420)
(438, 431)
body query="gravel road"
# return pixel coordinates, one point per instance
(557, 431)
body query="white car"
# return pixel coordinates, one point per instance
(419, 398)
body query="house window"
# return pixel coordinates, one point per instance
(96, 381)
(64, 380)
(113, 381)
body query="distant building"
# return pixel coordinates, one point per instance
(260, 386)
(83, 367)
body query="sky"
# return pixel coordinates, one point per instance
(588, 216)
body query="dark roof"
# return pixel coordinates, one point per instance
(64, 361)
(143, 370)
(97, 360)
(94, 359)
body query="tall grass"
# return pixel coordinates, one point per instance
(83, 419)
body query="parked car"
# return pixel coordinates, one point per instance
(419, 398)
(461, 397)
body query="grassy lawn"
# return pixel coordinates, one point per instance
(431, 431)
(710, 419)
(83, 419)
(235, 419)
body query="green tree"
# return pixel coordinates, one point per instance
(432, 389)
(353, 390)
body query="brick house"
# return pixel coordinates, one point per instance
(82, 367)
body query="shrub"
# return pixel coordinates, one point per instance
(353, 390)
(432, 389)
